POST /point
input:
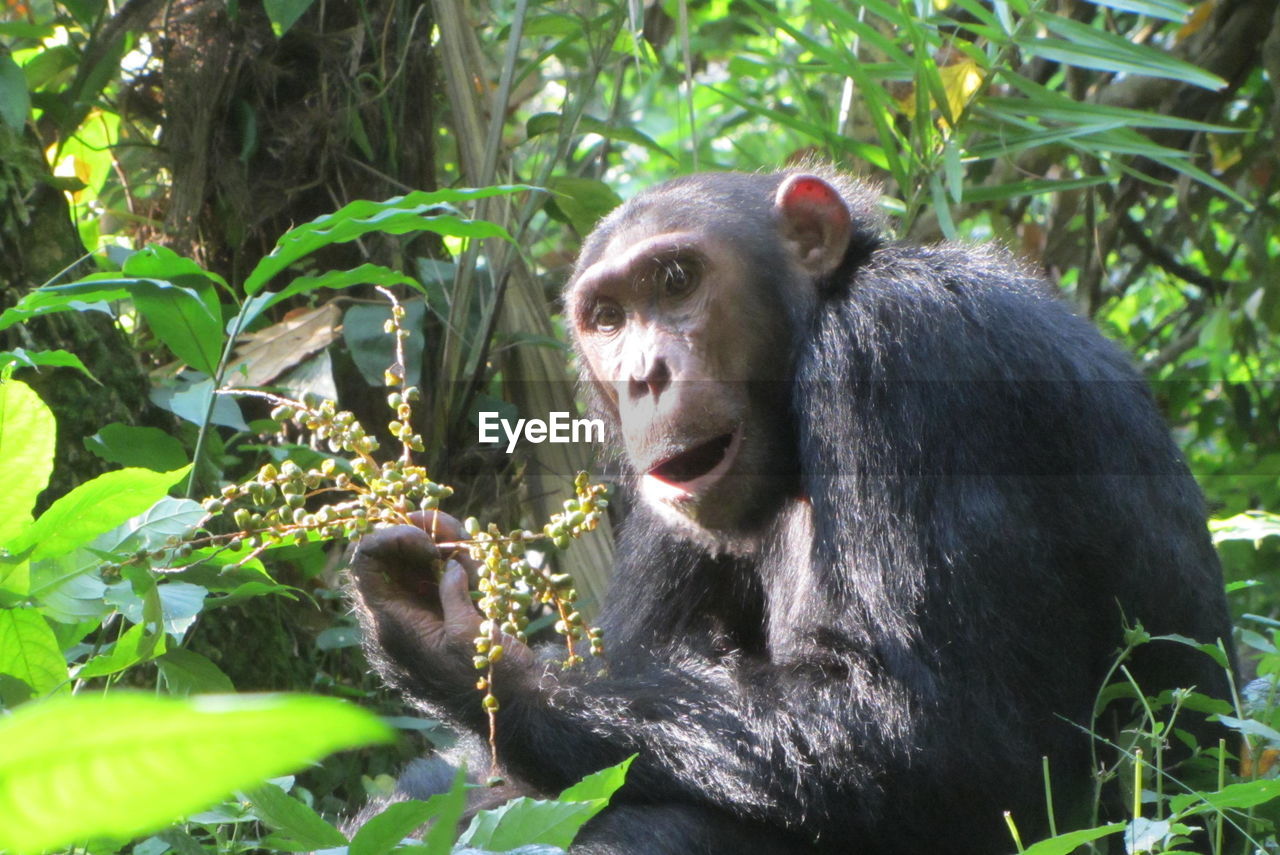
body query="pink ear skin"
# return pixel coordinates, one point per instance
(815, 223)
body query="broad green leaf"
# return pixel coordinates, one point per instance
(123, 765)
(27, 433)
(94, 507)
(1213, 651)
(1241, 796)
(15, 578)
(448, 807)
(186, 672)
(413, 212)
(182, 320)
(177, 604)
(61, 298)
(300, 824)
(1064, 844)
(29, 651)
(382, 833)
(22, 358)
(153, 528)
(136, 645)
(373, 350)
(598, 785)
(1251, 727)
(285, 13)
(192, 401)
(524, 820)
(147, 447)
(583, 201)
(365, 274)
(158, 262)
(26, 30)
(15, 98)
(91, 147)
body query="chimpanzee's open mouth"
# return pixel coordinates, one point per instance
(693, 470)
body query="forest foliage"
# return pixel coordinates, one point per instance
(204, 195)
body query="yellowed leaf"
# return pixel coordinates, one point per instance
(961, 80)
(1199, 17)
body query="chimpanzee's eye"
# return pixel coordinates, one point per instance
(677, 278)
(607, 317)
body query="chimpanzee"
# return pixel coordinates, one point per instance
(896, 506)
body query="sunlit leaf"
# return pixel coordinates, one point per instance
(22, 358)
(27, 433)
(15, 99)
(414, 212)
(125, 764)
(29, 651)
(94, 507)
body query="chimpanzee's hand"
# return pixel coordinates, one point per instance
(423, 618)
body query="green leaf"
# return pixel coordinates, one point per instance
(285, 13)
(1213, 651)
(29, 651)
(1064, 844)
(544, 123)
(1090, 47)
(953, 170)
(147, 447)
(1241, 796)
(95, 507)
(383, 832)
(1250, 727)
(1165, 10)
(373, 350)
(599, 785)
(122, 765)
(27, 433)
(1029, 187)
(299, 823)
(188, 673)
(182, 320)
(60, 298)
(22, 358)
(583, 201)
(448, 806)
(159, 262)
(136, 645)
(414, 212)
(365, 274)
(1046, 104)
(524, 821)
(15, 98)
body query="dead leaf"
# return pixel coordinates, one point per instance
(266, 354)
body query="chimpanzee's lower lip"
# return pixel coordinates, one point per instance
(692, 472)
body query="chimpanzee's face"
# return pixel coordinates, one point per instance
(690, 358)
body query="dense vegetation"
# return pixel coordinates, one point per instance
(206, 195)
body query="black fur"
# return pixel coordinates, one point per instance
(986, 493)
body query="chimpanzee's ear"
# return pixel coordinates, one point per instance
(815, 223)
